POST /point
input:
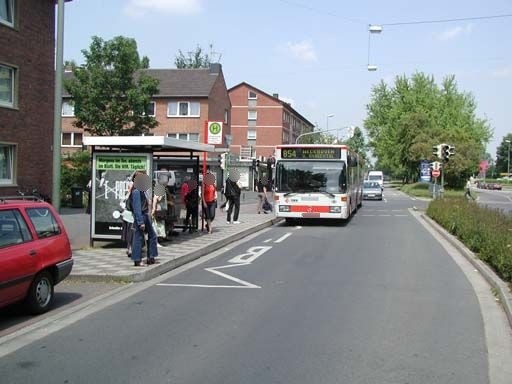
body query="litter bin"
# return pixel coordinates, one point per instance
(77, 197)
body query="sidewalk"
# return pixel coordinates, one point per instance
(112, 264)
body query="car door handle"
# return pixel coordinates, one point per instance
(32, 253)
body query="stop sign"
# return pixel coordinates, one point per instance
(436, 173)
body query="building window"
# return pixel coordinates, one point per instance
(251, 135)
(7, 85)
(252, 115)
(7, 12)
(151, 109)
(183, 109)
(185, 136)
(71, 139)
(226, 116)
(7, 157)
(252, 95)
(68, 109)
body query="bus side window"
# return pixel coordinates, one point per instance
(343, 179)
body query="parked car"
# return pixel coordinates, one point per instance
(35, 253)
(494, 186)
(372, 190)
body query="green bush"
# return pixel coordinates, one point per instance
(487, 232)
(75, 170)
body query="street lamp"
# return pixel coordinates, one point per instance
(313, 133)
(373, 29)
(327, 121)
(508, 166)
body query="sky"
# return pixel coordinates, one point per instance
(314, 54)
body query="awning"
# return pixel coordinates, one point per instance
(153, 143)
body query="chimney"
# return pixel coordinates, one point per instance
(215, 68)
(276, 95)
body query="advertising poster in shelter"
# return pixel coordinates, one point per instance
(112, 177)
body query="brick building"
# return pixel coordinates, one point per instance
(260, 121)
(27, 41)
(185, 100)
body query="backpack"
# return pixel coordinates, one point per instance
(129, 202)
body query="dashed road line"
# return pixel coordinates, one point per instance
(284, 237)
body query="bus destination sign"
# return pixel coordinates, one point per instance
(308, 153)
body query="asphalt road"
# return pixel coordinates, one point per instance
(496, 199)
(377, 300)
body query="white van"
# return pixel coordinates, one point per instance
(376, 176)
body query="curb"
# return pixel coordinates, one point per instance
(501, 287)
(160, 269)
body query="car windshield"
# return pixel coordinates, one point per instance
(375, 177)
(317, 176)
(371, 185)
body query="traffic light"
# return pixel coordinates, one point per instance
(257, 163)
(445, 151)
(451, 150)
(254, 163)
(437, 150)
(222, 161)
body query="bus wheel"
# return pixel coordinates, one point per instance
(289, 221)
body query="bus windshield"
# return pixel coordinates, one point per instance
(311, 176)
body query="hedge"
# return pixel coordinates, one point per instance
(487, 232)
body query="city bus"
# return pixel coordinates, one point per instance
(317, 181)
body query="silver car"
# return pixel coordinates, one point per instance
(372, 190)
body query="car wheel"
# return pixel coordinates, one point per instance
(40, 294)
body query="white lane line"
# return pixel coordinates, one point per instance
(368, 215)
(298, 227)
(401, 215)
(283, 238)
(267, 241)
(243, 283)
(385, 200)
(384, 215)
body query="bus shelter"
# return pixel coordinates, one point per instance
(114, 161)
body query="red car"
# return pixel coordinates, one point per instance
(35, 253)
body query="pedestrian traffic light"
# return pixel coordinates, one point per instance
(222, 161)
(437, 150)
(254, 163)
(451, 150)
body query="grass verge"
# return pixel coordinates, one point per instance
(487, 232)
(421, 190)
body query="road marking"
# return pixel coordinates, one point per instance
(253, 253)
(214, 270)
(384, 215)
(385, 200)
(368, 215)
(401, 215)
(298, 227)
(284, 237)
(268, 241)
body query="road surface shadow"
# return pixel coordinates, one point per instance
(16, 314)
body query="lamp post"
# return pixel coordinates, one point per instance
(321, 131)
(327, 121)
(372, 30)
(57, 105)
(508, 165)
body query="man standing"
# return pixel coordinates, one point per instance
(233, 193)
(142, 222)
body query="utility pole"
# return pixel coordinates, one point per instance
(57, 106)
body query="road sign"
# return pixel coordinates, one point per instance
(436, 173)
(214, 132)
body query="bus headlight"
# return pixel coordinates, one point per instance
(284, 208)
(335, 209)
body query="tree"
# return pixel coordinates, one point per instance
(75, 171)
(110, 92)
(405, 120)
(318, 137)
(195, 59)
(502, 154)
(358, 143)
